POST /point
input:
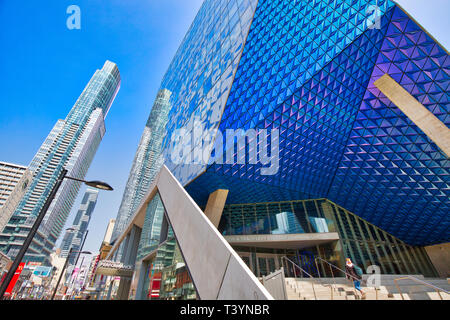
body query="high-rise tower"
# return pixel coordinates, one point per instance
(75, 236)
(146, 162)
(71, 144)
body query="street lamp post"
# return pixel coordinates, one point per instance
(37, 223)
(73, 283)
(64, 268)
(79, 252)
(82, 244)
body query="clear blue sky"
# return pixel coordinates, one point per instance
(44, 67)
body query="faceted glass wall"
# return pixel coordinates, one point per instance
(201, 74)
(307, 69)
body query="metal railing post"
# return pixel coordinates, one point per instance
(301, 269)
(437, 289)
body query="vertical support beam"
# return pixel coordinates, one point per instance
(124, 247)
(108, 296)
(434, 128)
(141, 273)
(215, 205)
(129, 258)
(124, 288)
(134, 245)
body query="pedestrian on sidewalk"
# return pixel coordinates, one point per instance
(354, 273)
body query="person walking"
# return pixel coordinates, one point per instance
(354, 273)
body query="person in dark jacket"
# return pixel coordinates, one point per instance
(354, 275)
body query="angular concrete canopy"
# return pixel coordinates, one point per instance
(216, 269)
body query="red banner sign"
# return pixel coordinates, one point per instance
(15, 278)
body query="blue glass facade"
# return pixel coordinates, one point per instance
(391, 173)
(307, 68)
(202, 72)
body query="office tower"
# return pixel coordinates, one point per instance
(147, 161)
(71, 144)
(14, 180)
(75, 236)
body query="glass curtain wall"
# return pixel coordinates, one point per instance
(166, 274)
(361, 241)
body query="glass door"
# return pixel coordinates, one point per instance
(267, 263)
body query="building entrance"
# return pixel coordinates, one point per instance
(264, 264)
(263, 261)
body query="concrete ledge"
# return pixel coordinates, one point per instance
(294, 241)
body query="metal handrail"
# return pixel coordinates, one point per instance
(336, 267)
(301, 269)
(345, 272)
(438, 290)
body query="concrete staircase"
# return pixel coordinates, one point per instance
(302, 289)
(412, 290)
(342, 289)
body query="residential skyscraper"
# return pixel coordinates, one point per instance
(147, 161)
(71, 144)
(14, 181)
(75, 236)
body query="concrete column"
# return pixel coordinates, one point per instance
(124, 288)
(434, 128)
(108, 296)
(124, 248)
(215, 205)
(440, 257)
(223, 275)
(130, 251)
(141, 273)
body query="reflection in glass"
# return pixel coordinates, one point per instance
(168, 275)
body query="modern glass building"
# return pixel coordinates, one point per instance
(72, 145)
(75, 236)
(308, 69)
(147, 161)
(322, 163)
